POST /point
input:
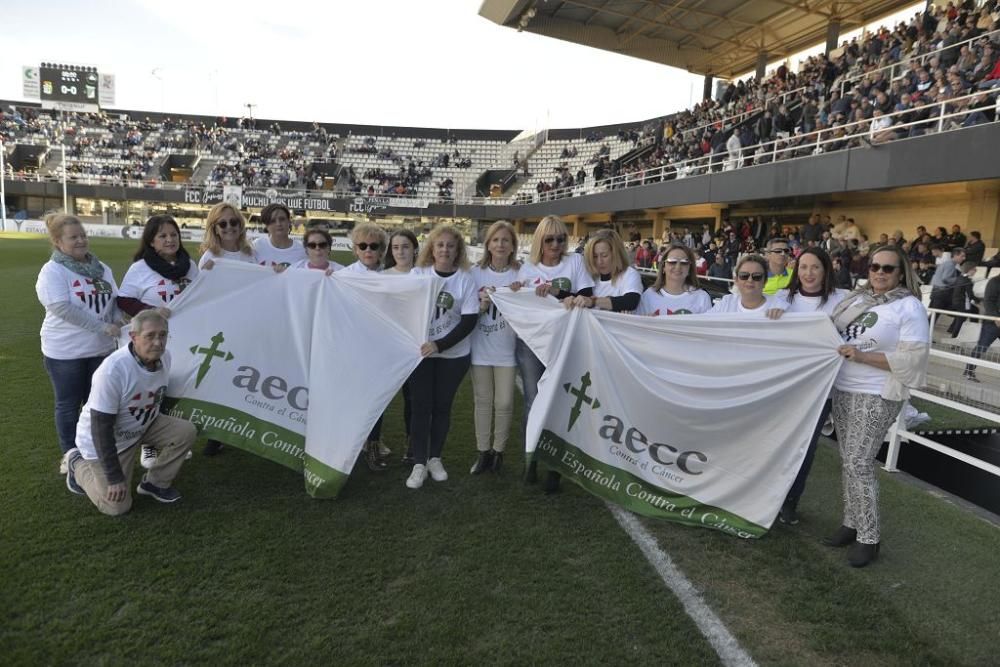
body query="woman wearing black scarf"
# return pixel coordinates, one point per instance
(162, 269)
(81, 322)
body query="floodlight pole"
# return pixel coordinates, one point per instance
(3, 186)
(65, 198)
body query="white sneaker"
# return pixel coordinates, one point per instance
(148, 457)
(187, 457)
(383, 451)
(417, 477)
(63, 468)
(437, 471)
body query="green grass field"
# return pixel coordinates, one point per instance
(247, 569)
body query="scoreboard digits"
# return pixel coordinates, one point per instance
(69, 87)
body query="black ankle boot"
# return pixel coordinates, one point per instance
(483, 463)
(372, 458)
(861, 554)
(843, 537)
(212, 447)
(497, 462)
(552, 482)
(531, 477)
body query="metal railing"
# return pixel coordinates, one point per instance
(743, 115)
(899, 434)
(921, 58)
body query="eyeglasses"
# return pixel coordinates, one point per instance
(313, 245)
(884, 268)
(223, 224)
(779, 251)
(674, 260)
(555, 239)
(369, 246)
(755, 277)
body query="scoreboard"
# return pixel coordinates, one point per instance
(68, 87)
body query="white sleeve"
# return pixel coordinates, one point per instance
(205, 256)
(632, 282)
(644, 306)
(49, 288)
(914, 327)
(470, 300)
(130, 286)
(106, 390)
(704, 303)
(582, 280)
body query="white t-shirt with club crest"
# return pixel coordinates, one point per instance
(304, 264)
(61, 339)
(813, 304)
(881, 329)
(458, 296)
(493, 339)
(661, 303)
(231, 255)
(148, 286)
(358, 267)
(268, 255)
(731, 303)
(568, 275)
(123, 387)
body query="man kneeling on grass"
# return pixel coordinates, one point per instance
(123, 410)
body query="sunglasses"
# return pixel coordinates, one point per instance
(674, 260)
(755, 277)
(314, 245)
(224, 224)
(884, 268)
(369, 246)
(555, 239)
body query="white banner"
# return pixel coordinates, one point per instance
(106, 90)
(30, 87)
(254, 351)
(699, 419)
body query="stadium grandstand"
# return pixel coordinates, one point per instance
(845, 125)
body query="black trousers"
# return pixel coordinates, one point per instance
(433, 386)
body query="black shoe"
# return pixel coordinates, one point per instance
(842, 538)
(551, 482)
(212, 447)
(970, 376)
(372, 458)
(497, 462)
(531, 477)
(861, 554)
(788, 514)
(483, 463)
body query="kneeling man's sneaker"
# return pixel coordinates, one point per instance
(164, 495)
(72, 456)
(147, 458)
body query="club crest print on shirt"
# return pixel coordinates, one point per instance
(444, 303)
(168, 290)
(94, 293)
(143, 406)
(859, 326)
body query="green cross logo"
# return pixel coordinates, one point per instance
(581, 398)
(210, 353)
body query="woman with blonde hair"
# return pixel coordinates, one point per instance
(551, 271)
(494, 365)
(617, 286)
(446, 354)
(886, 344)
(369, 242)
(677, 290)
(81, 324)
(225, 237)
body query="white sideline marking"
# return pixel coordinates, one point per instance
(711, 626)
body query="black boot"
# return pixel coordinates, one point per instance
(788, 514)
(842, 538)
(372, 458)
(552, 482)
(861, 554)
(483, 463)
(532, 475)
(497, 462)
(212, 447)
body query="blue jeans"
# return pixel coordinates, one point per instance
(799, 485)
(71, 385)
(988, 333)
(531, 370)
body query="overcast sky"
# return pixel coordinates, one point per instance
(379, 62)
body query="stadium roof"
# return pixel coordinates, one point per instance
(718, 37)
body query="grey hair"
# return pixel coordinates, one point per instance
(149, 315)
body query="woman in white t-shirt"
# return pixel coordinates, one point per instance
(617, 286)
(225, 237)
(81, 322)
(446, 354)
(677, 289)
(551, 271)
(494, 366)
(886, 346)
(277, 248)
(399, 260)
(810, 290)
(318, 243)
(161, 269)
(750, 274)
(369, 247)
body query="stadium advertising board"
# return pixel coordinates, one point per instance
(69, 87)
